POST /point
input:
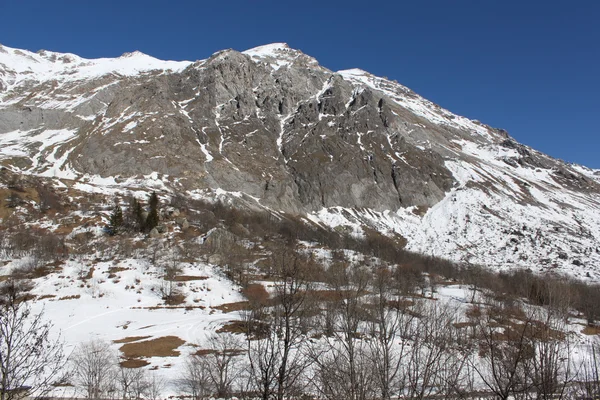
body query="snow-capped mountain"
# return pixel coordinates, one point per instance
(271, 128)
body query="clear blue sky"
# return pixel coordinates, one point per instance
(530, 67)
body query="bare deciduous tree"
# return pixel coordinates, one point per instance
(132, 382)
(588, 378)
(275, 350)
(503, 353)
(29, 356)
(390, 327)
(195, 380)
(222, 362)
(155, 386)
(432, 352)
(291, 290)
(93, 369)
(342, 367)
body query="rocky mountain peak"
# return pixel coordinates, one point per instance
(269, 124)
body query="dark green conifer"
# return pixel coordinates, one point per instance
(152, 218)
(116, 219)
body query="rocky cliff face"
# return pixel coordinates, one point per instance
(343, 148)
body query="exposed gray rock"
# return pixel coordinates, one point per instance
(185, 224)
(220, 239)
(273, 129)
(154, 233)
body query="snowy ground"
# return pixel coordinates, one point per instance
(102, 308)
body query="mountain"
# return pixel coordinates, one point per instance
(271, 129)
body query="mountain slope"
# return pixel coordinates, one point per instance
(273, 128)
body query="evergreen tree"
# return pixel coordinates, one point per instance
(135, 216)
(138, 212)
(152, 219)
(116, 219)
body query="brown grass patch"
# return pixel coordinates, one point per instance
(175, 299)
(130, 339)
(160, 347)
(591, 330)
(90, 274)
(134, 363)
(204, 352)
(420, 210)
(46, 296)
(42, 271)
(72, 297)
(233, 327)
(461, 325)
(114, 270)
(186, 278)
(231, 307)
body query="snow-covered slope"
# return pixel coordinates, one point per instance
(19, 66)
(343, 148)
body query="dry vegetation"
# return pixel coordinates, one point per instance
(160, 347)
(359, 309)
(130, 339)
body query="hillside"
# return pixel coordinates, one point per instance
(262, 161)
(344, 148)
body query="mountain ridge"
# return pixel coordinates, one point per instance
(345, 149)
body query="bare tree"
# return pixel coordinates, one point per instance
(29, 356)
(221, 362)
(503, 353)
(275, 351)
(264, 357)
(132, 382)
(195, 380)
(588, 378)
(549, 367)
(342, 367)
(432, 352)
(291, 290)
(391, 326)
(155, 386)
(93, 369)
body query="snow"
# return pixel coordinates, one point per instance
(268, 50)
(470, 224)
(415, 103)
(277, 55)
(23, 65)
(114, 308)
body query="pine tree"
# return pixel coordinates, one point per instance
(135, 216)
(152, 219)
(138, 213)
(116, 219)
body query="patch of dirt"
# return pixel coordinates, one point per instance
(175, 299)
(233, 327)
(72, 297)
(134, 363)
(130, 339)
(204, 352)
(231, 307)
(160, 347)
(114, 270)
(186, 278)
(420, 210)
(591, 330)
(90, 274)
